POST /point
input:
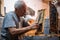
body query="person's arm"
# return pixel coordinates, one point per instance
(14, 31)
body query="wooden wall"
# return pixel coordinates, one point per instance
(2, 7)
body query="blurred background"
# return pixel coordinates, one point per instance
(8, 5)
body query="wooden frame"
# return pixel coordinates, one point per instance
(40, 16)
(40, 20)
